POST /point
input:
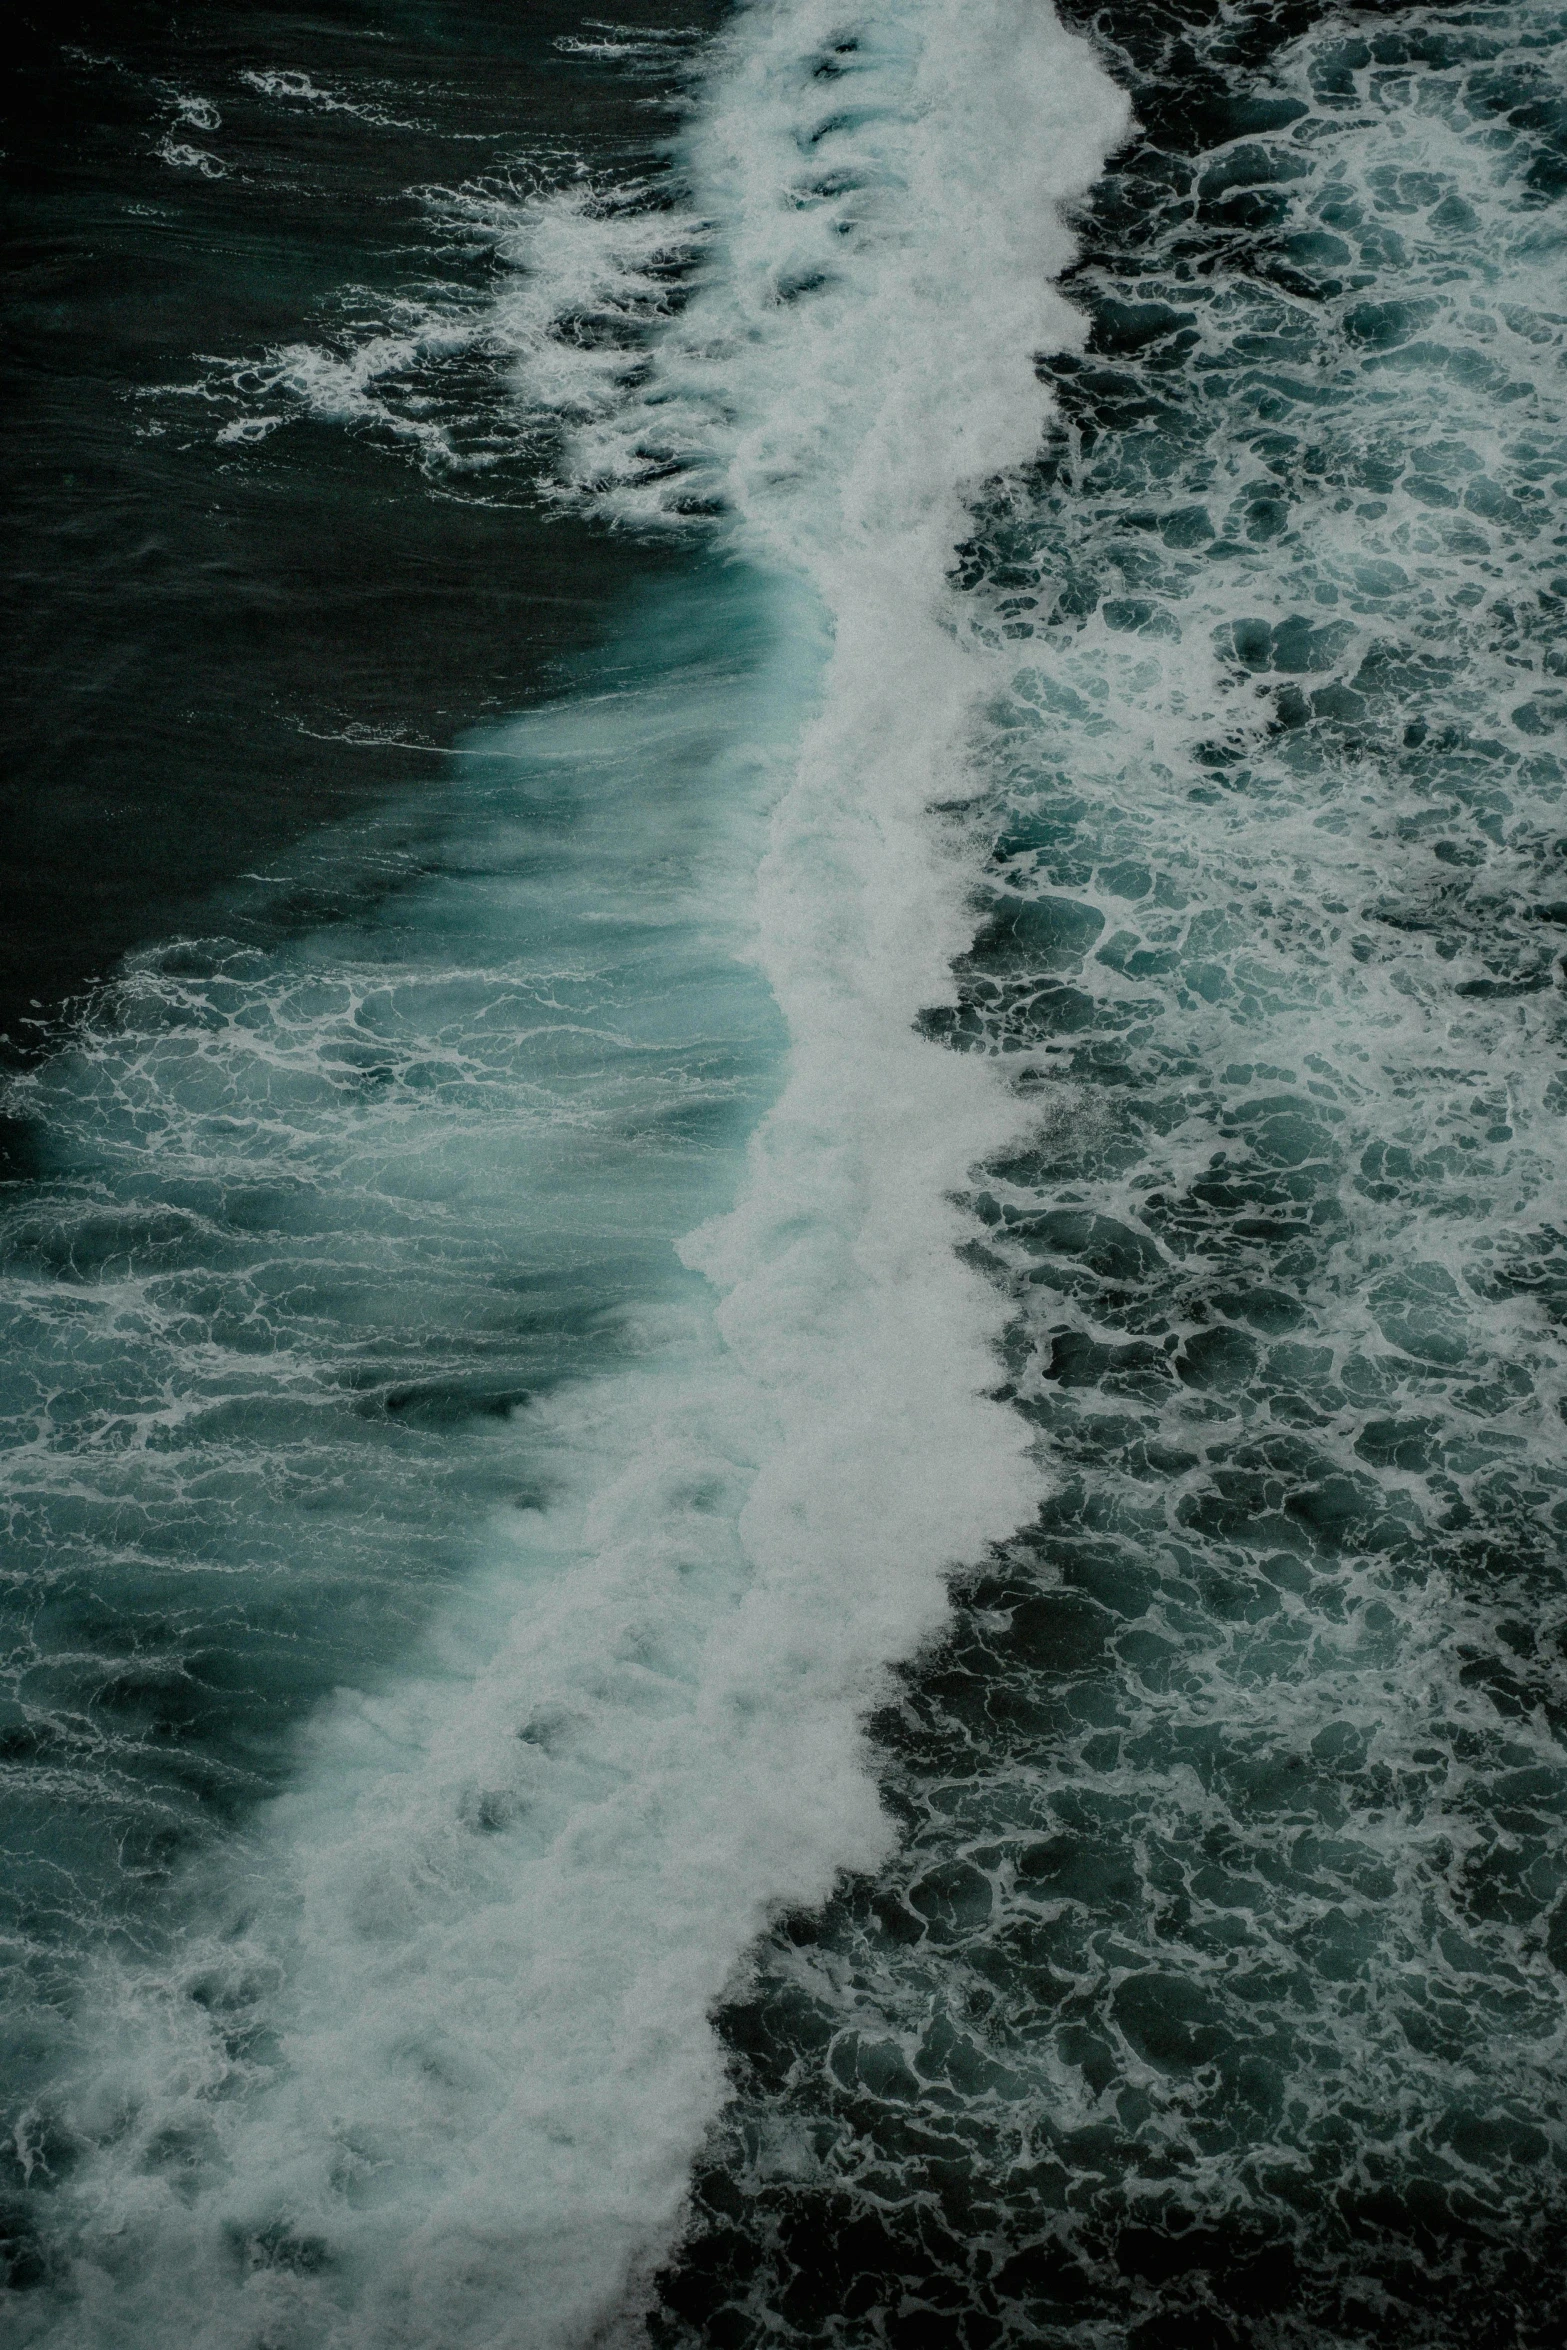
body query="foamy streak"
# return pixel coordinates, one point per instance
(497, 2048)
(592, 268)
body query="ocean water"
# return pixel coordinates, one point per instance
(787, 1476)
(231, 630)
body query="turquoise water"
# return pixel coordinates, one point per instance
(327, 1231)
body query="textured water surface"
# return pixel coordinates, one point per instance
(272, 538)
(1217, 1992)
(1006, 1028)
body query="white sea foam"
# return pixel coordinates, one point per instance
(486, 1931)
(184, 157)
(604, 39)
(292, 88)
(582, 272)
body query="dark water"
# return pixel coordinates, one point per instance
(374, 1140)
(221, 643)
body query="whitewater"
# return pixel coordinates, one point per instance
(422, 2051)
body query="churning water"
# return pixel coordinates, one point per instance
(1007, 1026)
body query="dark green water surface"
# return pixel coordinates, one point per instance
(217, 645)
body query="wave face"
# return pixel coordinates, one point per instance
(356, 1376)
(1215, 1994)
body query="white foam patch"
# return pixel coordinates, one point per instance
(605, 40)
(290, 87)
(583, 271)
(184, 157)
